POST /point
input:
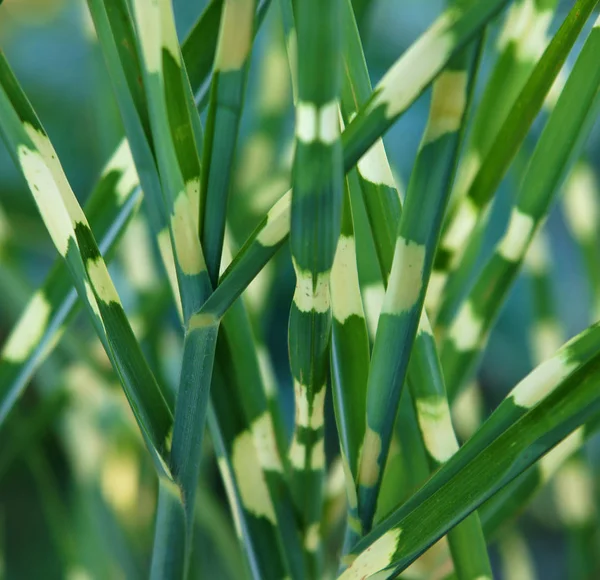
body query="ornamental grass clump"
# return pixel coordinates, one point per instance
(392, 309)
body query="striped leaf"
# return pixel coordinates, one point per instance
(224, 111)
(314, 232)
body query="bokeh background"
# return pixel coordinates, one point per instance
(75, 487)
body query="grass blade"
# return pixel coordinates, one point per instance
(416, 241)
(580, 208)
(224, 111)
(350, 357)
(314, 232)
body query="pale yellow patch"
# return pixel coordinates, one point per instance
(91, 298)
(374, 167)
(136, 254)
(537, 257)
(557, 456)
(533, 45)
(297, 454)
(185, 236)
(274, 80)
(89, 30)
(28, 331)
(268, 193)
(119, 481)
(266, 371)
(317, 456)
(556, 89)
(306, 122)
(147, 16)
(369, 466)
(373, 297)
(406, 277)
(258, 293)
(574, 494)
(192, 190)
(235, 36)
(424, 324)
(467, 171)
(122, 162)
(47, 198)
(527, 27)
(85, 445)
(250, 480)
(306, 416)
(448, 102)
(515, 241)
(318, 409)
(101, 281)
(226, 256)
(336, 480)
(350, 485)
(138, 325)
(462, 225)
(414, 69)
(467, 411)
(538, 384)
(202, 320)
(329, 124)
(51, 343)
(170, 43)
(45, 148)
(257, 160)
(546, 339)
(312, 538)
(517, 563)
(309, 296)
(278, 222)
(581, 202)
(375, 558)
(433, 415)
(166, 253)
(466, 330)
(227, 478)
(266, 446)
(435, 291)
(302, 407)
(345, 286)
(87, 388)
(78, 573)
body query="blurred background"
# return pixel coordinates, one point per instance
(75, 484)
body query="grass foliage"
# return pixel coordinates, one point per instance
(162, 397)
